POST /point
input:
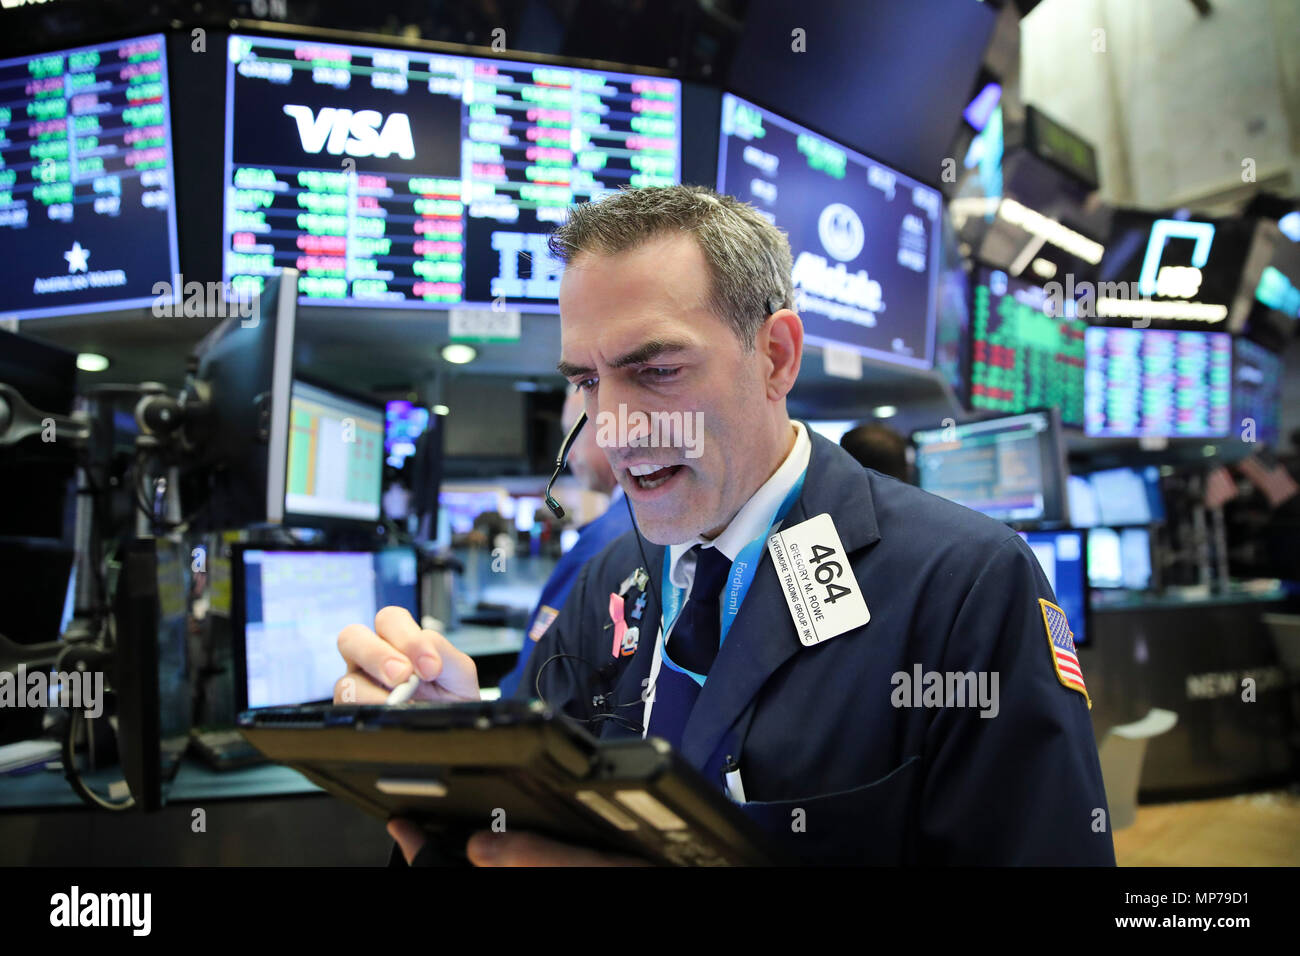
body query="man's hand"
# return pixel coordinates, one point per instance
(381, 659)
(486, 848)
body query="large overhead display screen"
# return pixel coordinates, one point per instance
(865, 238)
(1157, 382)
(86, 217)
(400, 179)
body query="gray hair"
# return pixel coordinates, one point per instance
(748, 257)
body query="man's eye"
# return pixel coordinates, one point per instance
(587, 384)
(661, 373)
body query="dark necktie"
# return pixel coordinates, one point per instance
(694, 641)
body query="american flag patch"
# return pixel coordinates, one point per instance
(545, 615)
(1060, 639)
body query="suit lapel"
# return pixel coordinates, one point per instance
(630, 683)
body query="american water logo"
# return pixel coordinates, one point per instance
(76, 909)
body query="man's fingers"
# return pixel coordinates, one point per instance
(399, 647)
(435, 658)
(366, 651)
(528, 849)
(355, 687)
(408, 836)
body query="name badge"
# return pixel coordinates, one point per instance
(817, 580)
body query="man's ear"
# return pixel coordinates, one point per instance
(781, 342)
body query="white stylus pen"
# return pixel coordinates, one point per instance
(405, 690)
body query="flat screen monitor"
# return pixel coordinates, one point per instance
(335, 461)
(1119, 558)
(240, 434)
(1128, 496)
(87, 222)
(290, 606)
(865, 238)
(1011, 468)
(462, 507)
(1170, 273)
(1023, 356)
(1085, 512)
(1062, 557)
(1135, 554)
(1157, 383)
(404, 423)
(1256, 392)
(1105, 560)
(406, 179)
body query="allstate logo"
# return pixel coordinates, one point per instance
(841, 232)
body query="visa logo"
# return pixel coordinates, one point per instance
(358, 134)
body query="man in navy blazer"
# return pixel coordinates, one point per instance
(872, 673)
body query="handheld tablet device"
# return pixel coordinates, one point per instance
(485, 765)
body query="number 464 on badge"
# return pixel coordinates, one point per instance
(817, 580)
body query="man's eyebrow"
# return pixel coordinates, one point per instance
(569, 370)
(648, 352)
(638, 356)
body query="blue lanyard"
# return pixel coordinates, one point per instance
(733, 592)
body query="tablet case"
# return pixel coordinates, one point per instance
(514, 766)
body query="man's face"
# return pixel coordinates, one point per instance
(635, 333)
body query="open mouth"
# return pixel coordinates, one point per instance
(649, 477)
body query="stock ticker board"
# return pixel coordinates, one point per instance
(1021, 356)
(1157, 382)
(86, 215)
(398, 179)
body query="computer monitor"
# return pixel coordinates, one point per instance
(1010, 468)
(865, 237)
(1062, 556)
(1128, 496)
(151, 666)
(237, 414)
(404, 423)
(1256, 392)
(87, 210)
(462, 507)
(1119, 558)
(1135, 553)
(335, 463)
(1105, 559)
(1085, 512)
(1023, 355)
(288, 607)
(1157, 383)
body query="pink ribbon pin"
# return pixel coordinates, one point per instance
(620, 625)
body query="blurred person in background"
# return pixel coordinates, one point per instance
(590, 466)
(880, 447)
